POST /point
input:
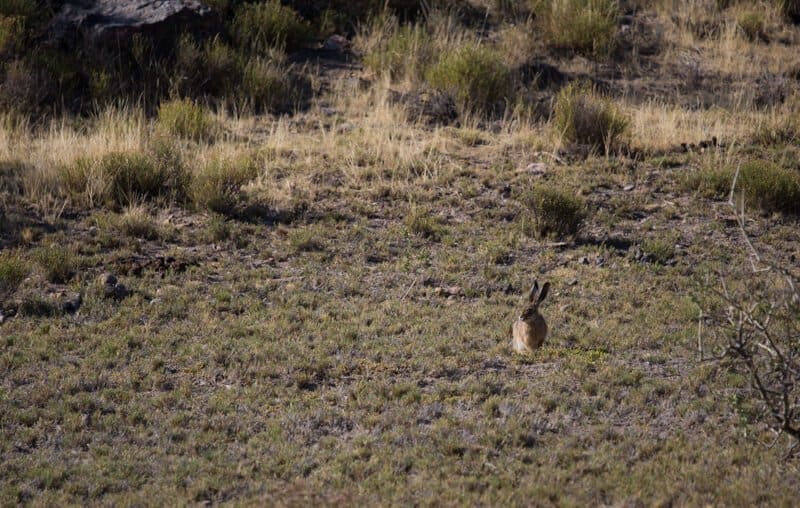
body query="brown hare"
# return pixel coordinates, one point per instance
(530, 330)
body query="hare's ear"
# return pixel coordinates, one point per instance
(545, 289)
(534, 291)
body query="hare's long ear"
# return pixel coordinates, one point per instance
(534, 291)
(545, 289)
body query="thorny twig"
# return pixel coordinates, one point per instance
(771, 361)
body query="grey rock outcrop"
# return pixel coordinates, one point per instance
(104, 21)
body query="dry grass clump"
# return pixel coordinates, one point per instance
(137, 222)
(218, 185)
(406, 52)
(586, 27)
(186, 119)
(119, 179)
(583, 116)
(267, 84)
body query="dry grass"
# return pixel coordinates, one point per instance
(325, 316)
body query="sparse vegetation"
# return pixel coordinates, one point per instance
(236, 273)
(59, 264)
(587, 27)
(406, 53)
(583, 116)
(474, 75)
(556, 213)
(13, 270)
(185, 119)
(218, 186)
(262, 26)
(763, 184)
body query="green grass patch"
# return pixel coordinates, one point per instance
(763, 184)
(185, 119)
(475, 75)
(263, 26)
(13, 270)
(583, 116)
(420, 222)
(124, 178)
(218, 185)
(586, 27)
(59, 264)
(406, 53)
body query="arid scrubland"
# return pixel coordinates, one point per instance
(266, 266)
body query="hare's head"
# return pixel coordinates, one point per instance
(535, 297)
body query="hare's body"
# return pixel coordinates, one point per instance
(530, 330)
(529, 335)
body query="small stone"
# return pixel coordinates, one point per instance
(629, 187)
(107, 279)
(600, 261)
(537, 168)
(583, 260)
(573, 282)
(344, 128)
(336, 43)
(120, 292)
(71, 305)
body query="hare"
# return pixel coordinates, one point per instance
(530, 329)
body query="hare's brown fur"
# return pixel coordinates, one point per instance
(530, 330)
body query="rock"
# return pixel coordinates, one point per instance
(583, 260)
(108, 21)
(344, 128)
(107, 279)
(72, 304)
(541, 75)
(536, 168)
(629, 187)
(432, 107)
(120, 292)
(336, 43)
(448, 291)
(112, 288)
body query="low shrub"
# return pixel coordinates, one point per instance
(586, 27)
(583, 116)
(262, 26)
(556, 213)
(790, 9)
(406, 53)
(763, 184)
(122, 178)
(185, 119)
(13, 270)
(267, 85)
(474, 75)
(136, 222)
(59, 264)
(420, 222)
(218, 186)
(752, 24)
(770, 187)
(210, 70)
